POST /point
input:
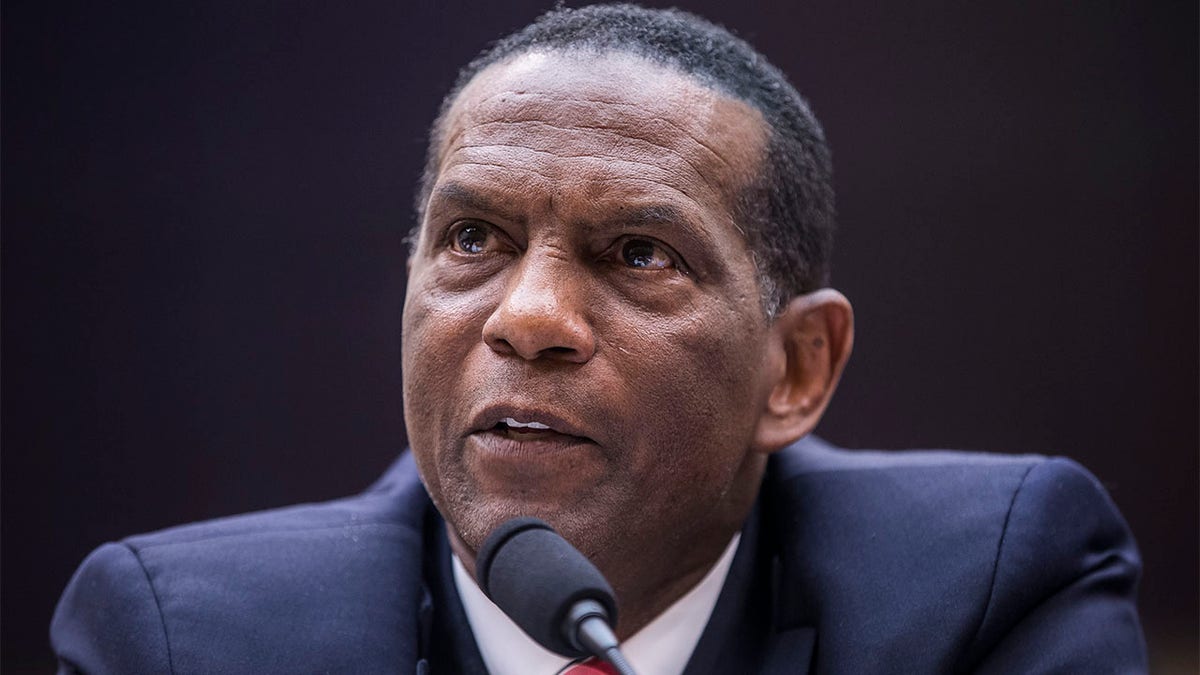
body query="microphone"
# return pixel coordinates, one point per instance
(551, 590)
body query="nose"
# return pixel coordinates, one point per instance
(542, 314)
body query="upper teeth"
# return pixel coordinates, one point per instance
(510, 422)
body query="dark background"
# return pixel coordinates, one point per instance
(203, 269)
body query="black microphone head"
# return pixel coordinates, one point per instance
(535, 576)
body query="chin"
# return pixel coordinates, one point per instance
(474, 519)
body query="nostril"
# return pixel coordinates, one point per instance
(500, 345)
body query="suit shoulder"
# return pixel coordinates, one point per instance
(902, 498)
(813, 455)
(980, 541)
(396, 501)
(936, 491)
(352, 512)
(273, 588)
(1064, 582)
(108, 619)
(1046, 485)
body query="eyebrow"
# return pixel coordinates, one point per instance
(663, 217)
(652, 214)
(472, 200)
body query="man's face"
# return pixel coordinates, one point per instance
(583, 336)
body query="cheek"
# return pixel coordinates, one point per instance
(695, 383)
(439, 326)
(439, 330)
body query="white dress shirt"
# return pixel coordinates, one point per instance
(661, 647)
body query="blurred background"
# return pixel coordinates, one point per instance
(203, 273)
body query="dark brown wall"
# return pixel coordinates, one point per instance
(203, 270)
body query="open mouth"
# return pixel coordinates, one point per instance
(507, 429)
(533, 431)
(527, 431)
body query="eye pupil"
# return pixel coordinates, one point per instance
(472, 239)
(640, 254)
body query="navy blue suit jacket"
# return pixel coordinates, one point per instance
(853, 562)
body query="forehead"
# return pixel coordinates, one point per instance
(616, 118)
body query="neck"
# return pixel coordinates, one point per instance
(649, 576)
(642, 603)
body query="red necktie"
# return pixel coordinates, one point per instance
(592, 666)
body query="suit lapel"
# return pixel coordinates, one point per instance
(789, 651)
(755, 627)
(792, 646)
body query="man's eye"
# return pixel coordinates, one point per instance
(644, 254)
(471, 238)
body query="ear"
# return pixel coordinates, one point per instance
(810, 342)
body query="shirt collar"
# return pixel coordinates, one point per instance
(662, 646)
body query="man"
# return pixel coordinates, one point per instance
(617, 320)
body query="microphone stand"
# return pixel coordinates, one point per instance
(587, 625)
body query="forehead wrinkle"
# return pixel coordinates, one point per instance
(557, 179)
(614, 154)
(511, 101)
(647, 171)
(614, 150)
(637, 179)
(604, 72)
(588, 106)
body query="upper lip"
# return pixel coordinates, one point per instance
(492, 414)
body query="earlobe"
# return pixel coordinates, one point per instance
(810, 342)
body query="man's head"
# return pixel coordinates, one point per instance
(584, 337)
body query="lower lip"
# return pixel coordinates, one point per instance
(528, 444)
